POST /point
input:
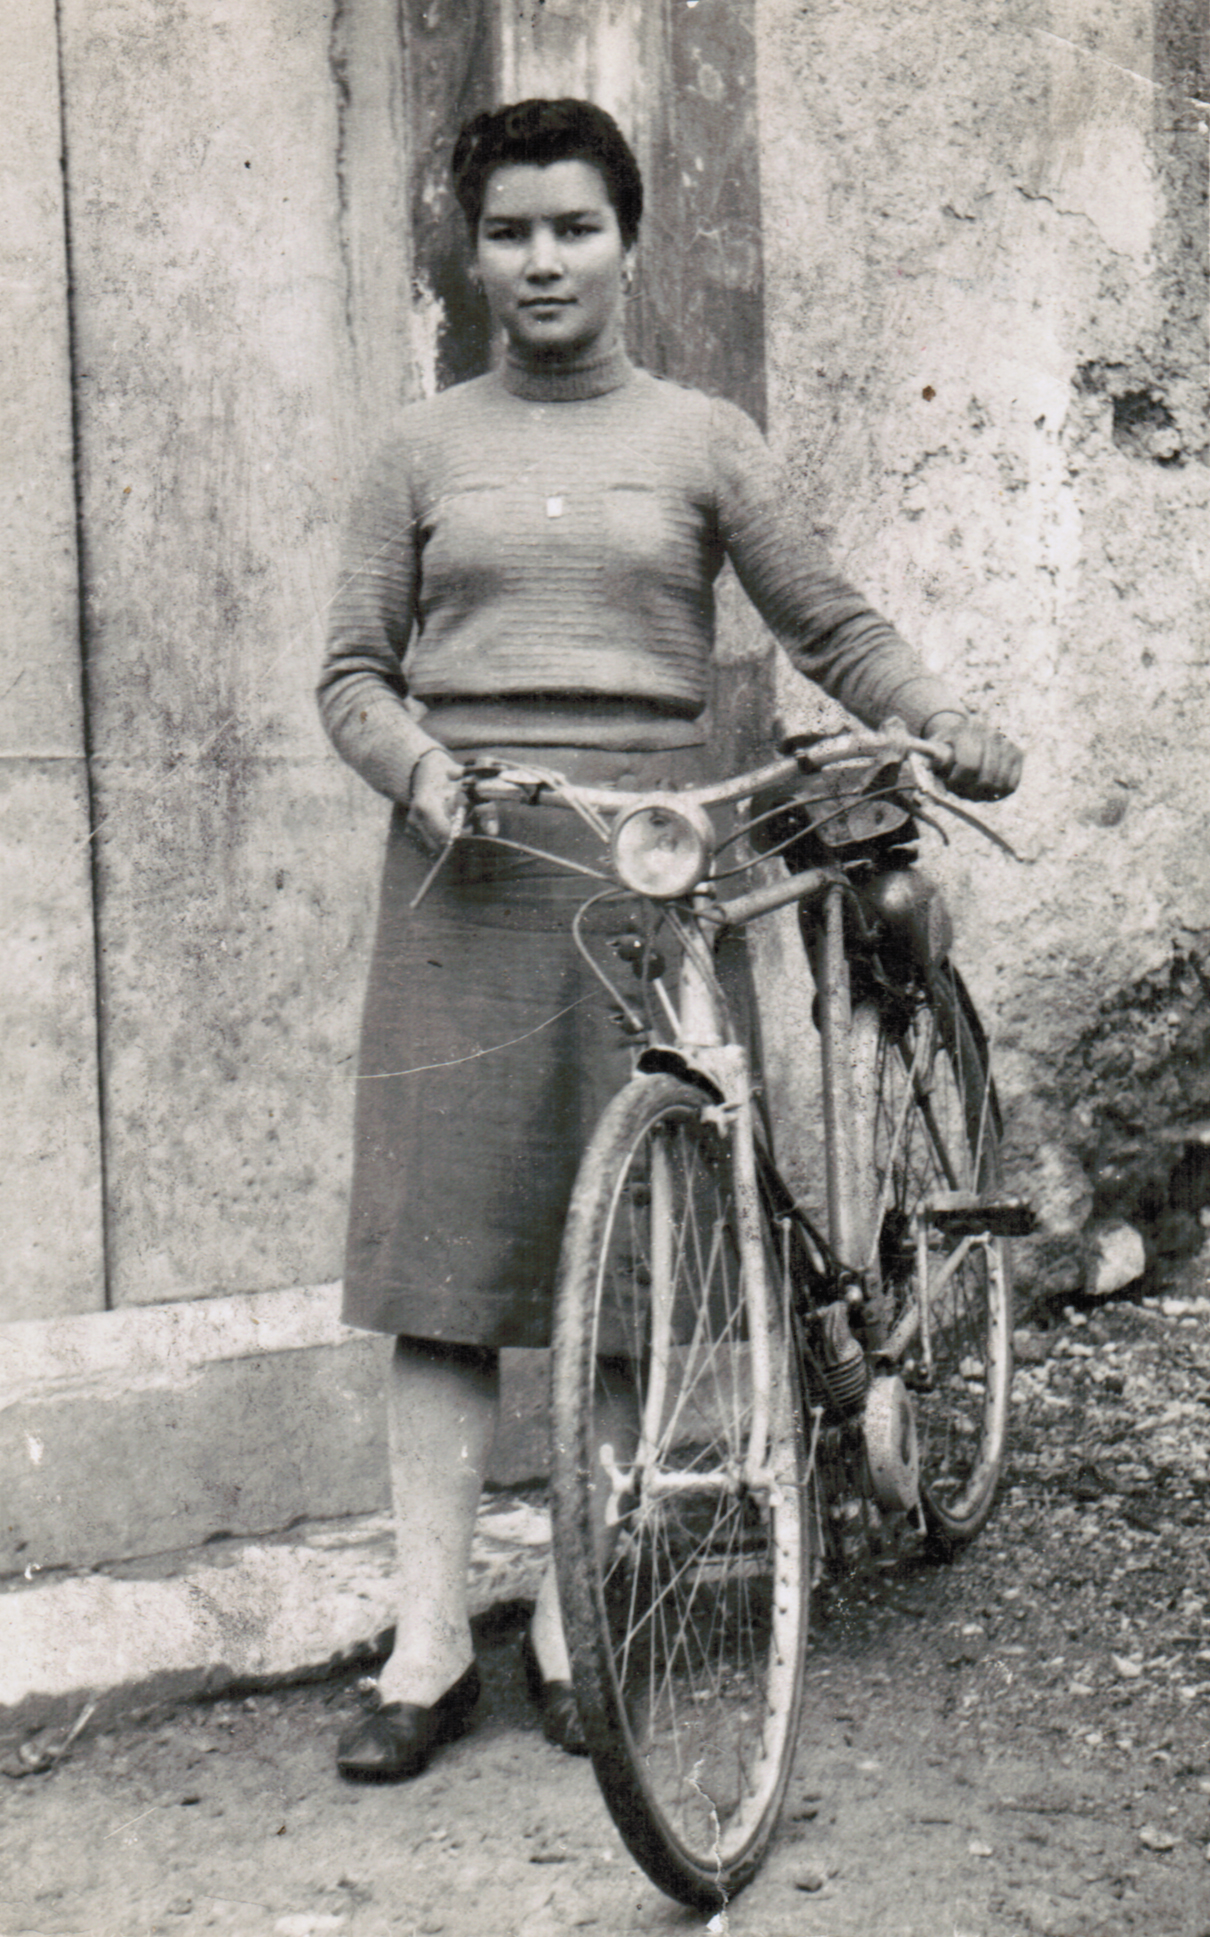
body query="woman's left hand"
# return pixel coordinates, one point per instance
(986, 764)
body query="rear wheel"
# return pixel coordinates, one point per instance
(934, 1131)
(684, 1573)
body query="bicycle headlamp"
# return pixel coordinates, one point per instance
(663, 848)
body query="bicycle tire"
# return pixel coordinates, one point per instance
(687, 1624)
(949, 1142)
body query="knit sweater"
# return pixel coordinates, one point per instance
(532, 558)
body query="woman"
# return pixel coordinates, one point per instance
(529, 570)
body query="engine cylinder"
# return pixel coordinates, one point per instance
(846, 1373)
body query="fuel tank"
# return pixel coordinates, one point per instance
(912, 910)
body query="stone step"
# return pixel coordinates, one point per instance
(155, 1428)
(81, 1650)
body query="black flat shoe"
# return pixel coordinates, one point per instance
(556, 1703)
(396, 1740)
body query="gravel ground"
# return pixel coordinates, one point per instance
(1016, 1742)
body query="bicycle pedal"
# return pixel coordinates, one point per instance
(965, 1213)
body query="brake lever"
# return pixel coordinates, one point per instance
(457, 823)
(920, 783)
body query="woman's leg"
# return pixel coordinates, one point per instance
(442, 1406)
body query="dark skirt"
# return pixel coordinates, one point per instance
(487, 1054)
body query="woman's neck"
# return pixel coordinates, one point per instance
(591, 372)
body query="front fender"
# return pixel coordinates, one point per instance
(720, 1073)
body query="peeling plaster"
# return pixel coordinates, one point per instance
(427, 325)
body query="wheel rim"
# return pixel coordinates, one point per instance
(944, 1140)
(701, 1586)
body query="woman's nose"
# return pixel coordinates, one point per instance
(544, 258)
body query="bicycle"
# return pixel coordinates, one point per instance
(741, 1399)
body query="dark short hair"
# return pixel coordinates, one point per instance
(542, 132)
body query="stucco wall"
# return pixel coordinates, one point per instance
(985, 240)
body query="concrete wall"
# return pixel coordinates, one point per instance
(51, 1258)
(217, 422)
(236, 254)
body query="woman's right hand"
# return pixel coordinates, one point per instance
(434, 799)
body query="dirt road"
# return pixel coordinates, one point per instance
(1018, 1742)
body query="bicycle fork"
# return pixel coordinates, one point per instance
(703, 1050)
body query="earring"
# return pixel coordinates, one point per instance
(627, 280)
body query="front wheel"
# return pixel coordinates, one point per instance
(681, 1525)
(934, 1131)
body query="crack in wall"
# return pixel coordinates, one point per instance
(96, 819)
(1074, 215)
(338, 67)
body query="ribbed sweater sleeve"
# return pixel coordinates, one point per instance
(512, 544)
(361, 687)
(829, 630)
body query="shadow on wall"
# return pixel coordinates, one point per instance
(1136, 1089)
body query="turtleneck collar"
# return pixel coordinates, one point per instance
(593, 374)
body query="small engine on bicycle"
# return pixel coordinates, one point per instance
(867, 1449)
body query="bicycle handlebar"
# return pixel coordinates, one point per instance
(494, 783)
(488, 781)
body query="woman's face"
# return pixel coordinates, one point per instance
(550, 257)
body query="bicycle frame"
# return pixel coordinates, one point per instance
(846, 1232)
(704, 1050)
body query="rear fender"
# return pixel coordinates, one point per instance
(963, 995)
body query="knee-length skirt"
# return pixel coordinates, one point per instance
(487, 1054)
